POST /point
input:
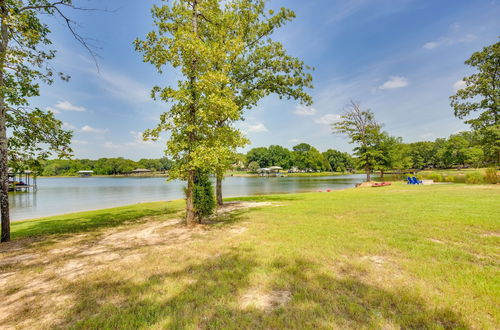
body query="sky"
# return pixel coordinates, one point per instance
(402, 59)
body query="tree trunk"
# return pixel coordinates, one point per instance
(4, 164)
(368, 174)
(190, 211)
(381, 174)
(218, 188)
(191, 217)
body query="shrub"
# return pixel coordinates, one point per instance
(435, 177)
(491, 176)
(253, 167)
(203, 195)
(449, 178)
(473, 178)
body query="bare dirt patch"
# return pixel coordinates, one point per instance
(490, 234)
(436, 241)
(264, 301)
(233, 206)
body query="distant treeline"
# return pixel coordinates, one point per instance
(102, 166)
(459, 150)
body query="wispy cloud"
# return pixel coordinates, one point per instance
(459, 85)
(90, 129)
(302, 110)
(123, 87)
(68, 106)
(450, 41)
(68, 126)
(328, 119)
(394, 82)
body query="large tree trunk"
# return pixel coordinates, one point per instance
(4, 164)
(191, 217)
(190, 211)
(368, 174)
(218, 188)
(381, 174)
(4, 177)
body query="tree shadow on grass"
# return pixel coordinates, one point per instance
(211, 291)
(85, 221)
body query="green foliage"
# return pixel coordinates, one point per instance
(362, 129)
(221, 78)
(491, 175)
(449, 178)
(25, 56)
(482, 94)
(308, 158)
(260, 156)
(436, 177)
(203, 195)
(473, 178)
(253, 167)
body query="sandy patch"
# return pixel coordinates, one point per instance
(436, 241)
(490, 234)
(377, 260)
(264, 301)
(233, 206)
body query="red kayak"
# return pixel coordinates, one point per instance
(381, 184)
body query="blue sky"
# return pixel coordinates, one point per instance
(400, 58)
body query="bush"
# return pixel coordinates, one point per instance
(203, 195)
(435, 177)
(473, 178)
(491, 176)
(449, 178)
(253, 167)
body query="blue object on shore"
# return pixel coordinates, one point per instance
(413, 180)
(416, 181)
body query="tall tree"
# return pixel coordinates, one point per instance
(339, 161)
(308, 158)
(27, 134)
(362, 129)
(482, 94)
(229, 61)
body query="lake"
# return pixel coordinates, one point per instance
(64, 195)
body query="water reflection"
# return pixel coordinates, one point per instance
(64, 195)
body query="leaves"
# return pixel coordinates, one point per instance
(228, 62)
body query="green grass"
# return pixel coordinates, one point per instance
(91, 220)
(419, 257)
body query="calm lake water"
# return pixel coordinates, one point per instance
(65, 195)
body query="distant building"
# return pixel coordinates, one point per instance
(85, 173)
(140, 171)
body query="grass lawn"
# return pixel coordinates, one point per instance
(393, 257)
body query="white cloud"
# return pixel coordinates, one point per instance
(68, 126)
(394, 82)
(257, 128)
(327, 119)
(302, 110)
(254, 128)
(90, 129)
(79, 142)
(124, 87)
(53, 110)
(431, 45)
(67, 106)
(110, 145)
(460, 84)
(450, 41)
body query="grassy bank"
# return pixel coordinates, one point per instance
(399, 256)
